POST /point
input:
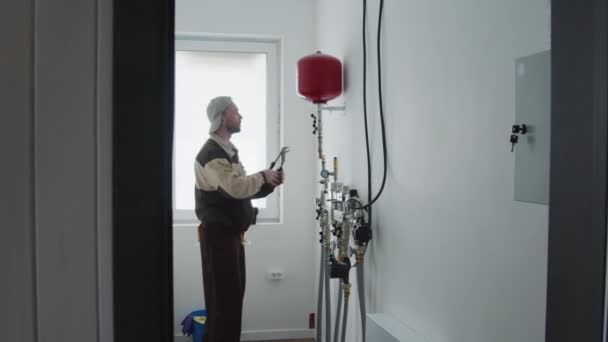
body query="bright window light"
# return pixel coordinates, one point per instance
(203, 74)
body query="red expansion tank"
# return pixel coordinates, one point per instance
(319, 77)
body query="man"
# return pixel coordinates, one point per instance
(223, 205)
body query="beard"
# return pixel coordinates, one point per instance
(233, 129)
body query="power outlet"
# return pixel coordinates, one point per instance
(275, 275)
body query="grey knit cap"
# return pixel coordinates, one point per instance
(215, 109)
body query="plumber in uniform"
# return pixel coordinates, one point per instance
(223, 205)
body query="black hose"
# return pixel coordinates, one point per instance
(379, 53)
(369, 159)
(380, 103)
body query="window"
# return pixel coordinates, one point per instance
(248, 71)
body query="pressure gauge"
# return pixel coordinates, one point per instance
(324, 173)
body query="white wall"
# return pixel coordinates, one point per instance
(288, 246)
(453, 257)
(56, 219)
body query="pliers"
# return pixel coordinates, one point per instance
(281, 155)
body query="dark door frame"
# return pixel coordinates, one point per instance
(143, 51)
(577, 212)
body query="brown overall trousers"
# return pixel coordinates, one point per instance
(223, 259)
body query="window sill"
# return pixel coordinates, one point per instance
(178, 223)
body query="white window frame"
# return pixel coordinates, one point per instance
(272, 48)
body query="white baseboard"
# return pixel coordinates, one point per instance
(263, 335)
(269, 335)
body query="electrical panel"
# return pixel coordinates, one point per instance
(533, 114)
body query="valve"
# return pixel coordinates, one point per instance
(337, 230)
(314, 123)
(362, 233)
(339, 269)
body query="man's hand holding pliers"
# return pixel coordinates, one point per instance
(276, 178)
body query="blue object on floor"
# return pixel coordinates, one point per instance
(194, 324)
(199, 319)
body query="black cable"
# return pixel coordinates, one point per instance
(369, 160)
(379, 54)
(380, 12)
